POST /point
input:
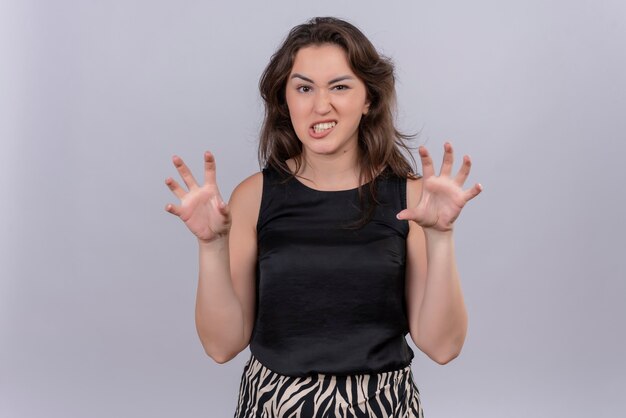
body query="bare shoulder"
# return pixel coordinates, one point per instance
(250, 186)
(245, 200)
(413, 191)
(413, 195)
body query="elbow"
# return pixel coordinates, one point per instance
(221, 358)
(441, 353)
(220, 355)
(221, 348)
(444, 357)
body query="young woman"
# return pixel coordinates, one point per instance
(325, 260)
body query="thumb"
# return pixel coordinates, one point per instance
(404, 215)
(223, 208)
(219, 204)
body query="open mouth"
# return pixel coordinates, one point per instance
(324, 126)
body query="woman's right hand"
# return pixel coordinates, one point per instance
(201, 208)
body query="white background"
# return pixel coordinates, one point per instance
(97, 281)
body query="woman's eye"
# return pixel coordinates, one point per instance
(304, 89)
(340, 87)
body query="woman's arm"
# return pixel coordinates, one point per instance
(436, 310)
(226, 237)
(225, 301)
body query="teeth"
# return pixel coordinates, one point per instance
(319, 127)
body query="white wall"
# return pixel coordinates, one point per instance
(97, 281)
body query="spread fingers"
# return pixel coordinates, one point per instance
(448, 159)
(175, 187)
(473, 192)
(209, 168)
(173, 209)
(184, 172)
(463, 171)
(427, 163)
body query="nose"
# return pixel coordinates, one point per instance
(322, 103)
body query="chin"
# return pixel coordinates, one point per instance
(323, 150)
(328, 147)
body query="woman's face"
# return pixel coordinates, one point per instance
(326, 100)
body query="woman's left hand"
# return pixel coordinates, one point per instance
(443, 196)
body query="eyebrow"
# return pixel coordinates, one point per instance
(334, 80)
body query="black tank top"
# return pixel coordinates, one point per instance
(330, 298)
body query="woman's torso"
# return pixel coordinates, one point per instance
(330, 298)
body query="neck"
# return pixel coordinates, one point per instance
(330, 172)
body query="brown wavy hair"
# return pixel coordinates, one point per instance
(381, 146)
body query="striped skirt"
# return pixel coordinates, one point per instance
(266, 394)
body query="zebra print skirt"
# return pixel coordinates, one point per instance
(266, 394)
